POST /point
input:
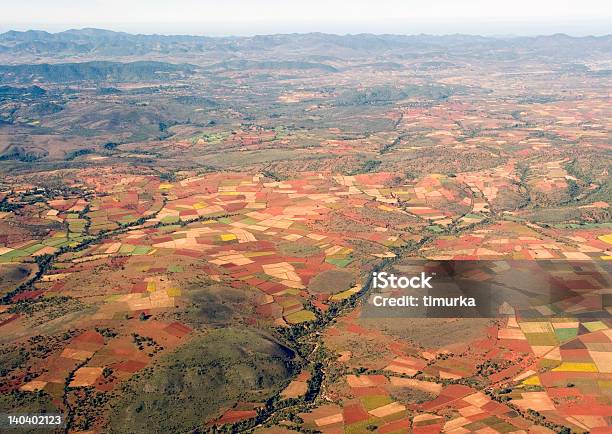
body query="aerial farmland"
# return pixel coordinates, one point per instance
(187, 243)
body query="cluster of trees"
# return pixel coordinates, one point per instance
(107, 332)
(43, 345)
(19, 153)
(540, 419)
(6, 206)
(77, 153)
(140, 341)
(383, 95)
(48, 308)
(532, 415)
(489, 367)
(367, 167)
(89, 407)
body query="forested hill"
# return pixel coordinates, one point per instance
(90, 71)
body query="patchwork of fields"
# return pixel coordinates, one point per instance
(192, 252)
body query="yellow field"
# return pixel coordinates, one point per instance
(576, 367)
(300, 316)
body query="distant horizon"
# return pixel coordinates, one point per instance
(251, 17)
(53, 30)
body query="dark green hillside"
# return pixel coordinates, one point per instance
(192, 384)
(90, 71)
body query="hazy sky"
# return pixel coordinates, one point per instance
(244, 17)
